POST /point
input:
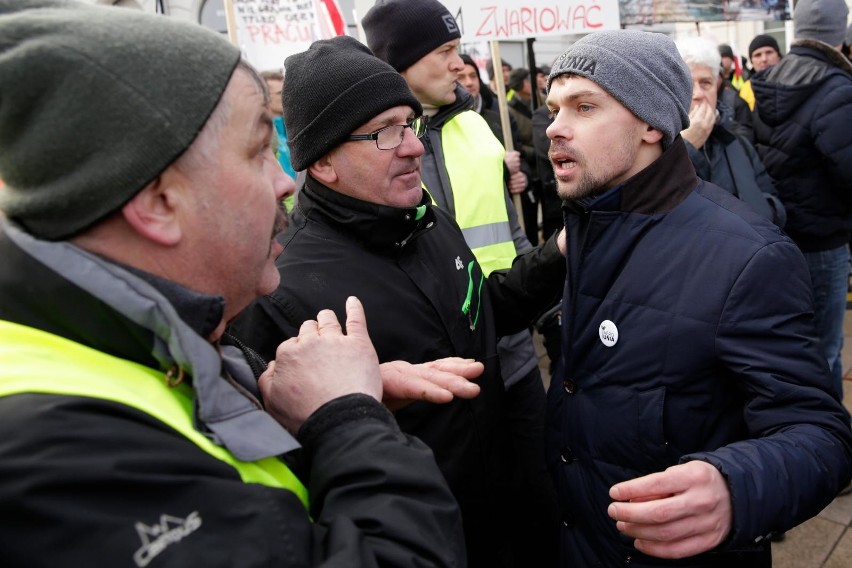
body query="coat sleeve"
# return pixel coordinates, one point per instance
(533, 284)
(96, 483)
(765, 183)
(371, 483)
(798, 454)
(767, 186)
(832, 135)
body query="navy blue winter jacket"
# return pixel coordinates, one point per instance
(806, 101)
(688, 335)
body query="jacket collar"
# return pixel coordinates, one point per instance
(464, 101)
(657, 189)
(822, 51)
(130, 316)
(373, 226)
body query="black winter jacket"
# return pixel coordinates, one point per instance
(424, 298)
(679, 344)
(91, 482)
(806, 103)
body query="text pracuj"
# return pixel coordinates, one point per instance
(275, 33)
(275, 22)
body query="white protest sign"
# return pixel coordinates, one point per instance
(268, 31)
(485, 20)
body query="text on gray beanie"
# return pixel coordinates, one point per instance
(95, 102)
(642, 70)
(822, 20)
(333, 88)
(401, 32)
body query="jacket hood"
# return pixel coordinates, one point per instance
(782, 89)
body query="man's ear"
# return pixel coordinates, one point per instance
(153, 212)
(323, 170)
(651, 135)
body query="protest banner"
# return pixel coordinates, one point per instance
(267, 31)
(520, 19)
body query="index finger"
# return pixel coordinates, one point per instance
(356, 320)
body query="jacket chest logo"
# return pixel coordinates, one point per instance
(459, 263)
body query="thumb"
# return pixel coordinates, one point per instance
(356, 321)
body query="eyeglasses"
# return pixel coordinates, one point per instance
(390, 137)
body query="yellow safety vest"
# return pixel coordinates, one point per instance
(34, 361)
(737, 81)
(473, 158)
(747, 94)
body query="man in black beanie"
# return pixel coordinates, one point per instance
(363, 225)
(133, 431)
(463, 171)
(763, 52)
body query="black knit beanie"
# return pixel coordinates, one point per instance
(333, 88)
(401, 32)
(517, 78)
(763, 40)
(95, 102)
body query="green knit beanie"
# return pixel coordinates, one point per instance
(95, 102)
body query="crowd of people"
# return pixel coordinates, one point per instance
(189, 374)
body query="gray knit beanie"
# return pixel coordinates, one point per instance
(401, 32)
(95, 102)
(642, 70)
(822, 20)
(333, 88)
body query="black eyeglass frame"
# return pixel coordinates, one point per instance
(417, 126)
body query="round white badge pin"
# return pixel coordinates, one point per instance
(608, 333)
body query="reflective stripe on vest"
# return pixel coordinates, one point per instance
(34, 361)
(474, 161)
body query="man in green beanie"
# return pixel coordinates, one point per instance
(133, 432)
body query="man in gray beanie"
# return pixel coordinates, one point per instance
(133, 431)
(363, 225)
(463, 171)
(691, 414)
(805, 101)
